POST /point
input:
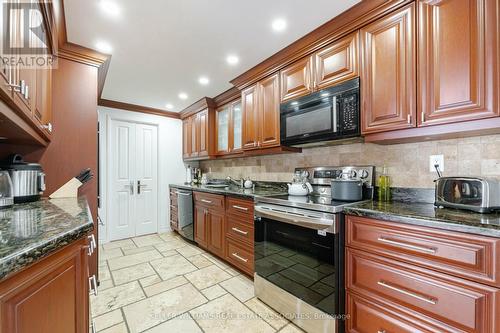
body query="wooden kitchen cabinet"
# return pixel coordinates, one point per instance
(388, 68)
(209, 222)
(174, 217)
(200, 225)
(217, 229)
(250, 104)
(406, 278)
(229, 128)
(261, 114)
(337, 63)
(186, 138)
(52, 295)
(457, 60)
(42, 108)
(296, 79)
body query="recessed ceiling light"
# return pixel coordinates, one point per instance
(169, 106)
(232, 59)
(183, 95)
(204, 80)
(279, 24)
(109, 7)
(103, 47)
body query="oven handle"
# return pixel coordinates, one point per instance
(298, 220)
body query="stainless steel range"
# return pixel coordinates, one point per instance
(299, 250)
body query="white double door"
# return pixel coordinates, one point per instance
(133, 179)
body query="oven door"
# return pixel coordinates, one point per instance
(300, 251)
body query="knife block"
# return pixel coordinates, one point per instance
(68, 190)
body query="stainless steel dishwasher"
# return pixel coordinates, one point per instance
(185, 213)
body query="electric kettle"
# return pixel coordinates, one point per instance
(6, 190)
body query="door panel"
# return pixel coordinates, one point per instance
(195, 144)
(296, 80)
(236, 126)
(249, 100)
(388, 72)
(200, 225)
(186, 141)
(217, 233)
(269, 122)
(202, 133)
(337, 63)
(147, 174)
(122, 169)
(458, 67)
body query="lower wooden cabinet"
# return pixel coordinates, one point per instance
(402, 278)
(52, 295)
(224, 227)
(174, 220)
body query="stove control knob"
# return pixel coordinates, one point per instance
(363, 174)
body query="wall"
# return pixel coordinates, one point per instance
(408, 164)
(170, 166)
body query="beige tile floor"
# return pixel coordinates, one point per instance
(163, 284)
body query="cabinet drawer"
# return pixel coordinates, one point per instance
(455, 304)
(208, 200)
(365, 316)
(240, 256)
(173, 214)
(472, 257)
(240, 207)
(239, 230)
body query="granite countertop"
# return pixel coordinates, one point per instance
(31, 231)
(236, 191)
(425, 214)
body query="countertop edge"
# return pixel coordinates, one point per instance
(19, 261)
(431, 223)
(196, 188)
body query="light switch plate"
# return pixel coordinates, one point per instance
(436, 159)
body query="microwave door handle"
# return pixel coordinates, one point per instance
(335, 115)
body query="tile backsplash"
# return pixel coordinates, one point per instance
(407, 164)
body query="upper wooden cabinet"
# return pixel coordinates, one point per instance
(296, 79)
(331, 65)
(338, 62)
(250, 106)
(457, 60)
(261, 123)
(388, 72)
(198, 135)
(269, 122)
(229, 128)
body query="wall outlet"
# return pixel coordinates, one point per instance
(436, 159)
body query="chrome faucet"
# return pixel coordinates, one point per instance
(239, 183)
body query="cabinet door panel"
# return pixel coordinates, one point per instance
(296, 80)
(223, 129)
(458, 60)
(217, 233)
(42, 109)
(236, 126)
(195, 135)
(202, 133)
(200, 226)
(250, 105)
(269, 122)
(337, 63)
(388, 72)
(186, 138)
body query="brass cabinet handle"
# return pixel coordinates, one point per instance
(240, 231)
(240, 208)
(387, 285)
(238, 257)
(407, 246)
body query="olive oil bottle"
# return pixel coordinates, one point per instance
(384, 186)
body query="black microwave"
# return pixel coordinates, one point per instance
(322, 117)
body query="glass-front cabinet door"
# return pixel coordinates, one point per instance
(223, 129)
(237, 125)
(229, 128)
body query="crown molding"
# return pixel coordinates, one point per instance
(227, 96)
(137, 108)
(200, 105)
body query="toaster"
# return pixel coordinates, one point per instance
(471, 193)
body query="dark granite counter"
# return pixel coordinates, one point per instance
(426, 214)
(29, 232)
(261, 191)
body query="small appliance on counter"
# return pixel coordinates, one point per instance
(28, 179)
(300, 186)
(6, 190)
(476, 194)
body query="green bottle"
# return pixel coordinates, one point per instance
(384, 186)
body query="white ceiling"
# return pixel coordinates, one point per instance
(161, 47)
